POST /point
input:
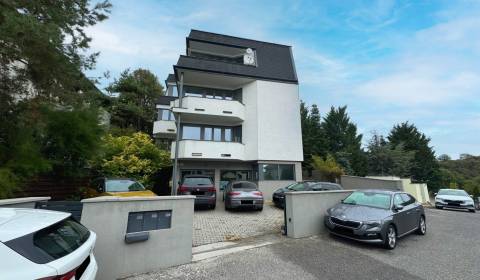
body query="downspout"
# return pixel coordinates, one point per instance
(177, 139)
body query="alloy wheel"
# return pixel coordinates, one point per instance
(391, 237)
(423, 225)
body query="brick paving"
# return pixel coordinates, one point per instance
(211, 226)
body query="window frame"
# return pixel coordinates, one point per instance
(261, 175)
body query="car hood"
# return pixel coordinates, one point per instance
(454, 197)
(358, 212)
(130, 194)
(281, 190)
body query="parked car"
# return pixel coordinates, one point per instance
(278, 197)
(243, 194)
(123, 187)
(201, 187)
(456, 199)
(43, 244)
(376, 216)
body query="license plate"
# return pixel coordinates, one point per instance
(247, 201)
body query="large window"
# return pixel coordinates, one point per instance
(165, 115)
(213, 93)
(212, 133)
(191, 132)
(284, 172)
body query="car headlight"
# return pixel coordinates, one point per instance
(438, 199)
(372, 224)
(327, 213)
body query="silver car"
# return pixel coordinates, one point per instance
(243, 194)
(456, 199)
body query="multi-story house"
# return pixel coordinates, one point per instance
(238, 113)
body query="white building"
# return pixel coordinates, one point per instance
(238, 116)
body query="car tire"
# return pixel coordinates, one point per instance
(260, 209)
(438, 207)
(471, 210)
(390, 238)
(213, 206)
(422, 226)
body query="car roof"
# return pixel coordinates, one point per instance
(197, 176)
(379, 191)
(17, 222)
(243, 181)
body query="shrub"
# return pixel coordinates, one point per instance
(134, 156)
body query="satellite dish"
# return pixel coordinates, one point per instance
(249, 51)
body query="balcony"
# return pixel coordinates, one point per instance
(166, 129)
(215, 111)
(194, 149)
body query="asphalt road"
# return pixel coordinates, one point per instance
(450, 250)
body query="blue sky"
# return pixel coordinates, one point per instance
(388, 61)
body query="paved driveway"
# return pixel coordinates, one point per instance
(450, 250)
(211, 226)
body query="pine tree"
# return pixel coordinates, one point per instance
(343, 141)
(425, 166)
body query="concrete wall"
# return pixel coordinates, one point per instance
(108, 217)
(23, 202)
(305, 211)
(419, 191)
(354, 182)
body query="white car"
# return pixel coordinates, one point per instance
(457, 199)
(46, 245)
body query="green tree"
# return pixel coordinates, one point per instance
(328, 167)
(425, 166)
(343, 142)
(384, 159)
(43, 50)
(444, 157)
(134, 156)
(313, 135)
(135, 105)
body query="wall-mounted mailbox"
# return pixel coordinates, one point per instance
(149, 220)
(136, 237)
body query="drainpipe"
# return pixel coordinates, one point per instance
(177, 139)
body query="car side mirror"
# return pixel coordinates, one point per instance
(397, 207)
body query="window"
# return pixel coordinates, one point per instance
(277, 172)
(208, 134)
(397, 200)
(51, 243)
(165, 115)
(373, 199)
(244, 185)
(217, 134)
(123, 186)
(407, 199)
(286, 171)
(148, 220)
(228, 135)
(191, 132)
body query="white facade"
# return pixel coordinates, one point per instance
(233, 117)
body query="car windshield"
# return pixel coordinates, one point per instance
(297, 187)
(453, 192)
(123, 186)
(197, 181)
(244, 185)
(373, 199)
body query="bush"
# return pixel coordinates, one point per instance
(134, 156)
(328, 167)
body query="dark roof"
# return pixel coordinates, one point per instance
(165, 100)
(170, 79)
(274, 61)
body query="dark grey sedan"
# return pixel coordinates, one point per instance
(243, 194)
(376, 216)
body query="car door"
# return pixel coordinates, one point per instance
(412, 209)
(400, 217)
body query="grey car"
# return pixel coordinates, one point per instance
(278, 197)
(243, 194)
(376, 216)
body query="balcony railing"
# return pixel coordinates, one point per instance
(194, 149)
(211, 110)
(164, 128)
